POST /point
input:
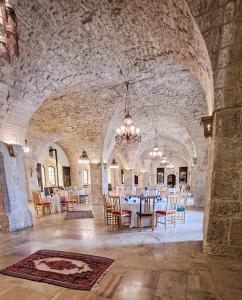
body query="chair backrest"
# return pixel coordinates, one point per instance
(182, 200)
(37, 198)
(138, 191)
(106, 201)
(172, 201)
(147, 205)
(115, 202)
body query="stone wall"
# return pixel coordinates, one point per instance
(14, 213)
(221, 23)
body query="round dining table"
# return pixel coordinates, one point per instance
(55, 202)
(133, 204)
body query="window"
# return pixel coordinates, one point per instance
(43, 175)
(122, 176)
(51, 175)
(85, 177)
(160, 175)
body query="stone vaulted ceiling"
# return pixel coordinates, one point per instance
(68, 86)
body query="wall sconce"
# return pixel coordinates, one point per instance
(207, 123)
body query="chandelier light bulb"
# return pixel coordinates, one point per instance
(83, 158)
(26, 148)
(127, 134)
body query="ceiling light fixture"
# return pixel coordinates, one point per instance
(25, 147)
(155, 154)
(127, 134)
(83, 158)
(113, 165)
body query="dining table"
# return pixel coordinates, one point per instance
(133, 204)
(55, 203)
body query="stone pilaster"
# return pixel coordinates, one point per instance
(223, 222)
(96, 182)
(74, 167)
(14, 212)
(104, 179)
(198, 185)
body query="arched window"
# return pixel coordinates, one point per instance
(51, 175)
(85, 177)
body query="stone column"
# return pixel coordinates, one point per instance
(14, 212)
(223, 218)
(26, 172)
(104, 179)
(74, 168)
(198, 185)
(128, 178)
(96, 182)
(223, 222)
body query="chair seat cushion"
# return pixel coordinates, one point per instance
(144, 215)
(165, 212)
(64, 202)
(180, 208)
(124, 212)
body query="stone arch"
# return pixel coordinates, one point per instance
(181, 41)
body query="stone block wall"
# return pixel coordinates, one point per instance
(14, 213)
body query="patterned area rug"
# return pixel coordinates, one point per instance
(79, 214)
(67, 269)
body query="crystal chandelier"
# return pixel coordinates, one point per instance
(155, 154)
(8, 32)
(164, 161)
(127, 134)
(83, 158)
(170, 166)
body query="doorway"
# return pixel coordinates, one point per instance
(171, 180)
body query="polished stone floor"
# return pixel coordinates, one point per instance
(148, 265)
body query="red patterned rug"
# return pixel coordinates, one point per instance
(67, 269)
(79, 214)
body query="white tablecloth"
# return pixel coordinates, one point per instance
(135, 207)
(55, 203)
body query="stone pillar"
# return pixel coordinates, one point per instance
(128, 178)
(74, 167)
(198, 185)
(26, 172)
(144, 179)
(104, 179)
(223, 221)
(14, 212)
(96, 182)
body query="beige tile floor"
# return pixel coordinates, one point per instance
(148, 265)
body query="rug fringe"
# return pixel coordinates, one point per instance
(98, 282)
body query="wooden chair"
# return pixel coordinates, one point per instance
(147, 210)
(169, 212)
(74, 197)
(85, 197)
(40, 205)
(118, 215)
(181, 207)
(107, 209)
(66, 203)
